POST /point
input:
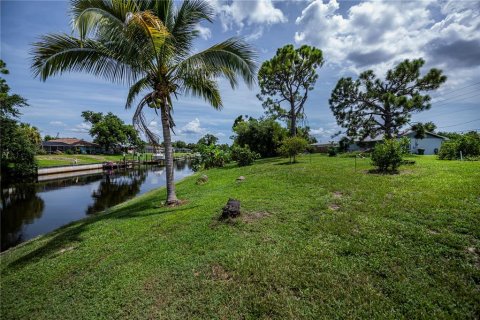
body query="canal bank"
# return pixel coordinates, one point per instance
(32, 209)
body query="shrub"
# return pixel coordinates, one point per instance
(387, 156)
(332, 152)
(69, 151)
(244, 156)
(448, 150)
(291, 147)
(211, 156)
(405, 145)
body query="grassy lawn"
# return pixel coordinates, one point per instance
(51, 160)
(315, 240)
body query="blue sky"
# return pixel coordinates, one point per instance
(354, 36)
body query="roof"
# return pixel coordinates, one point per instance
(405, 133)
(72, 142)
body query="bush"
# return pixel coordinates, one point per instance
(244, 156)
(448, 151)
(468, 144)
(332, 152)
(211, 156)
(387, 156)
(291, 147)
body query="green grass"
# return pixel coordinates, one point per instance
(316, 240)
(51, 160)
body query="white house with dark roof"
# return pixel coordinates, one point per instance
(431, 143)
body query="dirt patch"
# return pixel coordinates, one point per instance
(63, 250)
(251, 217)
(337, 194)
(334, 207)
(219, 273)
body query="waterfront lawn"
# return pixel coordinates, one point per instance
(315, 240)
(51, 160)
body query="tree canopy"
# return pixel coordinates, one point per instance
(109, 131)
(17, 141)
(421, 129)
(286, 79)
(263, 136)
(370, 106)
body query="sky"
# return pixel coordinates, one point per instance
(354, 36)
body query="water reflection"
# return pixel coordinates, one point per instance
(29, 210)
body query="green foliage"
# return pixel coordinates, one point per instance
(244, 156)
(263, 136)
(421, 129)
(332, 151)
(468, 144)
(48, 137)
(32, 133)
(344, 144)
(110, 131)
(292, 146)
(18, 142)
(207, 140)
(211, 156)
(387, 156)
(286, 79)
(405, 145)
(180, 144)
(369, 106)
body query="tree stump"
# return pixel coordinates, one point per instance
(231, 209)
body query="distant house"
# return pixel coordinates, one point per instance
(323, 147)
(430, 144)
(73, 144)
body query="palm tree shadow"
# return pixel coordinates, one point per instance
(70, 235)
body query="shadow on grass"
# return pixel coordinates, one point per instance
(70, 234)
(286, 163)
(382, 172)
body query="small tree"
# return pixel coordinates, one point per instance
(207, 140)
(244, 156)
(369, 106)
(292, 146)
(286, 79)
(387, 156)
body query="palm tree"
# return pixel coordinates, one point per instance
(148, 45)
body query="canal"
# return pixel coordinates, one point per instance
(29, 210)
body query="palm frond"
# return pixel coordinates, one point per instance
(56, 54)
(231, 59)
(89, 15)
(186, 19)
(200, 85)
(151, 26)
(139, 121)
(135, 89)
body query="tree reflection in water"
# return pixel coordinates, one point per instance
(20, 206)
(31, 209)
(117, 187)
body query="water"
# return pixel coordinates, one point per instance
(29, 210)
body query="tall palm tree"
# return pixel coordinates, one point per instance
(147, 44)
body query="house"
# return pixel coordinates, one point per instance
(73, 144)
(323, 147)
(431, 143)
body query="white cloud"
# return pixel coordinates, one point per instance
(192, 128)
(204, 32)
(255, 35)
(82, 128)
(57, 123)
(239, 13)
(379, 34)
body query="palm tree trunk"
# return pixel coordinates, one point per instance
(167, 141)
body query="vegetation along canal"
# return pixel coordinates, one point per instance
(29, 210)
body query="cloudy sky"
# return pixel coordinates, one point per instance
(354, 36)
